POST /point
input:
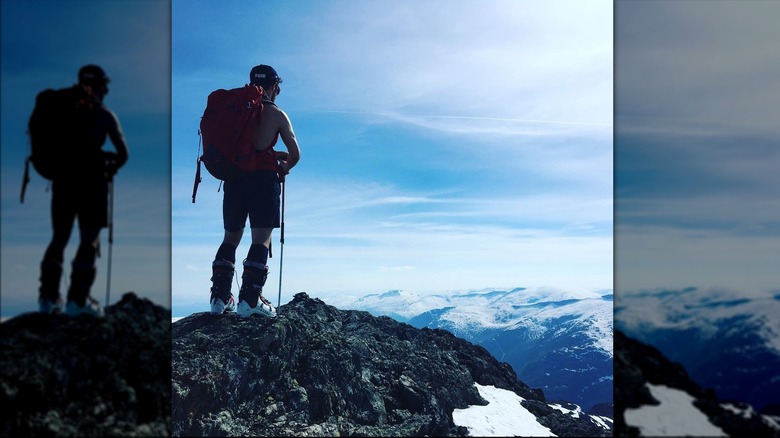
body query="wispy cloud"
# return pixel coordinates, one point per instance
(499, 119)
(464, 62)
(396, 268)
(502, 127)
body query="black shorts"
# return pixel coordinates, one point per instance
(85, 199)
(255, 196)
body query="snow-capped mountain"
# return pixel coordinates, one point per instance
(726, 340)
(559, 340)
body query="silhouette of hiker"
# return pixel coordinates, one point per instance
(80, 189)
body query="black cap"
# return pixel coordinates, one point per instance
(92, 74)
(263, 74)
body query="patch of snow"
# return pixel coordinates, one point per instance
(602, 421)
(772, 421)
(575, 413)
(503, 416)
(675, 416)
(746, 413)
(572, 412)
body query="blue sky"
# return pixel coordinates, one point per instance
(444, 146)
(696, 145)
(44, 43)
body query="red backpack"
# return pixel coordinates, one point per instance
(227, 130)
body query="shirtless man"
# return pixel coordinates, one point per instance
(255, 196)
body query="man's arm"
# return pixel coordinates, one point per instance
(117, 139)
(288, 137)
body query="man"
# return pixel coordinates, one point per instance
(256, 196)
(81, 190)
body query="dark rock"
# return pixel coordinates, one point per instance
(602, 410)
(771, 409)
(85, 376)
(315, 370)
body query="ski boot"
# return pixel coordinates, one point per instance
(79, 301)
(250, 299)
(49, 299)
(222, 279)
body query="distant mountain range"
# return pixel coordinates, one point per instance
(726, 340)
(559, 340)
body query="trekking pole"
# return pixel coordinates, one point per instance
(110, 235)
(281, 251)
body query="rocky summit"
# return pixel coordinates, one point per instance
(87, 376)
(315, 370)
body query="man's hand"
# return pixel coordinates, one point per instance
(284, 166)
(110, 164)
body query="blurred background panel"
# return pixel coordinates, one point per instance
(44, 43)
(697, 190)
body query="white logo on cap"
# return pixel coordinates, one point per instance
(260, 75)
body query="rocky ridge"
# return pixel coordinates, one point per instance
(559, 340)
(86, 376)
(638, 364)
(315, 370)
